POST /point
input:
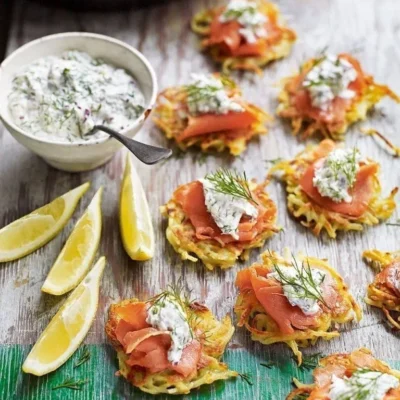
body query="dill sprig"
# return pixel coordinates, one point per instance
(246, 377)
(348, 168)
(177, 294)
(235, 14)
(310, 361)
(273, 160)
(361, 386)
(304, 281)
(196, 93)
(83, 357)
(231, 183)
(301, 396)
(72, 384)
(268, 365)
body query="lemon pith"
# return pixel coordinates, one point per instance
(68, 327)
(34, 230)
(135, 221)
(79, 251)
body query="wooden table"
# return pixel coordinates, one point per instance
(370, 29)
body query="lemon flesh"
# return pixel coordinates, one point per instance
(79, 251)
(34, 230)
(69, 326)
(135, 221)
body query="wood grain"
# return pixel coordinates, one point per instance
(370, 29)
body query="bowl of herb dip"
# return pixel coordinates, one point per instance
(54, 90)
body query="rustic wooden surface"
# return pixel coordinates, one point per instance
(370, 29)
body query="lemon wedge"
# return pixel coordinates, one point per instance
(78, 253)
(68, 327)
(135, 221)
(34, 230)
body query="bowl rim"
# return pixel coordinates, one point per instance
(59, 36)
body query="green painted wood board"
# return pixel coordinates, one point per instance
(268, 384)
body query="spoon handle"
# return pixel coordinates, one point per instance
(144, 152)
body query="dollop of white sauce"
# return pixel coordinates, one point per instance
(337, 174)
(298, 296)
(168, 315)
(226, 210)
(207, 94)
(374, 385)
(62, 98)
(248, 16)
(328, 79)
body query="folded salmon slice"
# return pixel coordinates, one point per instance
(224, 34)
(270, 294)
(361, 192)
(192, 200)
(388, 275)
(211, 123)
(132, 317)
(231, 43)
(338, 108)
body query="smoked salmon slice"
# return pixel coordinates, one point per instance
(361, 192)
(224, 34)
(148, 347)
(388, 275)
(192, 200)
(270, 294)
(211, 123)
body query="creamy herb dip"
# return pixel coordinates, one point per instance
(328, 79)
(226, 210)
(248, 16)
(296, 295)
(207, 94)
(167, 315)
(363, 384)
(337, 173)
(62, 98)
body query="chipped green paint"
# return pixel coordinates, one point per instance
(268, 383)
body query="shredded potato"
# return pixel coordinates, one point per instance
(357, 110)
(169, 116)
(280, 47)
(216, 336)
(330, 365)
(317, 218)
(182, 235)
(378, 295)
(252, 315)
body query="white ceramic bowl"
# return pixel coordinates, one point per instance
(73, 156)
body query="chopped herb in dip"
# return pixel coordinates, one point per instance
(62, 98)
(207, 94)
(251, 20)
(167, 314)
(228, 199)
(337, 174)
(329, 78)
(364, 384)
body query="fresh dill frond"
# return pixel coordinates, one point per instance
(232, 183)
(72, 384)
(310, 361)
(246, 377)
(273, 160)
(268, 365)
(304, 281)
(83, 357)
(301, 396)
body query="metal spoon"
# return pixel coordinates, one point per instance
(144, 152)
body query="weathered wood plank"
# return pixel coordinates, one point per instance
(369, 28)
